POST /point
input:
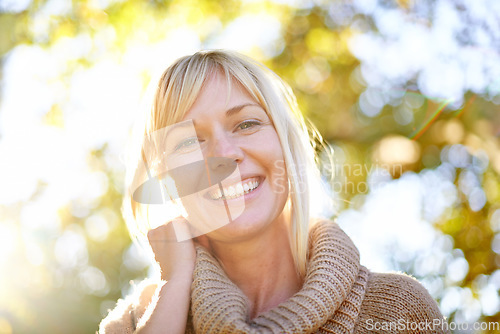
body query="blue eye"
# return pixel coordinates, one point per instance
(247, 125)
(187, 143)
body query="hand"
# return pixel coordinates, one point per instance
(176, 259)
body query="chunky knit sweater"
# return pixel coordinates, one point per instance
(338, 296)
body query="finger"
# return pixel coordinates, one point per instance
(162, 233)
(182, 230)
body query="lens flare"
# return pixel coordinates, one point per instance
(425, 126)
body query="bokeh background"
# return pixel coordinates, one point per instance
(406, 92)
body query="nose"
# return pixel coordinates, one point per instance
(224, 146)
(224, 155)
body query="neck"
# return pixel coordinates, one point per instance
(263, 267)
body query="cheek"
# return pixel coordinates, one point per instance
(270, 144)
(271, 158)
(265, 149)
(279, 180)
(276, 168)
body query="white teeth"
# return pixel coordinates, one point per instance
(234, 191)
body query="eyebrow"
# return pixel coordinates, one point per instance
(184, 124)
(177, 126)
(236, 109)
(190, 123)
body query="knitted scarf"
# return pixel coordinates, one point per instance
(329, 301)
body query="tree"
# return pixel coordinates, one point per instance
(407, 94)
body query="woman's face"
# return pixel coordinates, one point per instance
(237, 128)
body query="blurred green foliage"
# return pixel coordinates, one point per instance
(314, 57)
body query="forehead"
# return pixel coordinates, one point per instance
(218, 95)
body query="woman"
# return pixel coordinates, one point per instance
(266, 266)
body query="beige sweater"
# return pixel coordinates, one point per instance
(338, 296)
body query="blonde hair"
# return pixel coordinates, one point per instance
(177, 90)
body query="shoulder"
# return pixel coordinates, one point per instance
(399, 300)
(127, 312)
(321, 226)
(399, 290)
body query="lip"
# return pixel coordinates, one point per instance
(248, 196)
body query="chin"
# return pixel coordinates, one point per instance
(238, 230)
(245, 227)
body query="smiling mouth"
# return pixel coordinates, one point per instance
(235, 190)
